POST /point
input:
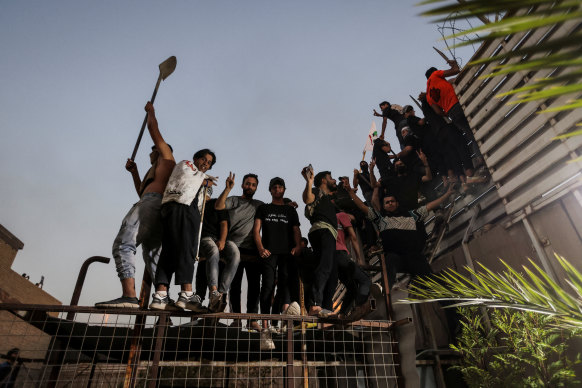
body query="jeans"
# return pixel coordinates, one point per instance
(209, 249)
(142, 225)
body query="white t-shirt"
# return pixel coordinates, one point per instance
(184, 184)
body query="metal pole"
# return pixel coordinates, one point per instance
(160, 332)
(135, 347)
(81, 280)
(539, 249)
(389, 314)
(469, 258)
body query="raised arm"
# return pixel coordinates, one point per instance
(373, 181)
(355, 181)
(427, 172)
(132, 168)
(161, 145)
(221, 200)
(357, 201)
(437, 202)
(376, 198)
(308, 195)
(454, 70)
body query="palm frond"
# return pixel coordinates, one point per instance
(522, 16)
(529, 290)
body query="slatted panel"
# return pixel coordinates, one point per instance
(517, 141)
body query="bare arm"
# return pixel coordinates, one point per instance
(356, 180)
(376, 198)
(438, 110)
(405, 151)
(258, 241)
(357, 201)
(373, 181)
(221, 200)
(296, 251)
(353, 239)
(222, 235)
(308, 195)
(454, 70)
(132, 168)
(427, 172)
(161, 145)
(437, 202)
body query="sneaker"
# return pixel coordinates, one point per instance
(191, 303)
(123, 302)
(215, 304)
(266, 340)
(163, 303)
(293, 309)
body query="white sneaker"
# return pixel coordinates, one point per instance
(191, 303)
(266, 340)
(293, 309)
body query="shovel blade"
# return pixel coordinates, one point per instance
(167, 67)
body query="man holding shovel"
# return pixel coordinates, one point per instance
(143, 224)
(182, 206)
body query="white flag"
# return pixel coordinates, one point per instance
(372, 135)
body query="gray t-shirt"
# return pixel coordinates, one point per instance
(241, 212)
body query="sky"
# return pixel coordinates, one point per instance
(269, 86)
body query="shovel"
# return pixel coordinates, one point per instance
(166, 68)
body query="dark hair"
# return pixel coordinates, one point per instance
(250, 175)
(203, 152)
(430, 71)
(13, 351)
(171, 149)
(276, 181)
(384, 103)
(319, 177)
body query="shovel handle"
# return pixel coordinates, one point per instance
(145, 120)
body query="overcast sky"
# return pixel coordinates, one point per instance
(270, 86)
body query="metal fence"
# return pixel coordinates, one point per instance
(139, 348)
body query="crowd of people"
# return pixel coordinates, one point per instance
(177, 222)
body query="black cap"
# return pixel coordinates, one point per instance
(276, 181)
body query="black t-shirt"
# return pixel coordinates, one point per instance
(324, 209)
(383, 162)
(405, 188)
(277, 227)
(411, 159)
(366, 188)
(396, 117)
(212, 219)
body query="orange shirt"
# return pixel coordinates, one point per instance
(439, 91)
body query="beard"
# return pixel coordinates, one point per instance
(249, 193)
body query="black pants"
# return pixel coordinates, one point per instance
(353, 277)
(460, 121)
(253, 270)
(412, 264)
(323, 244)
(179, 243)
